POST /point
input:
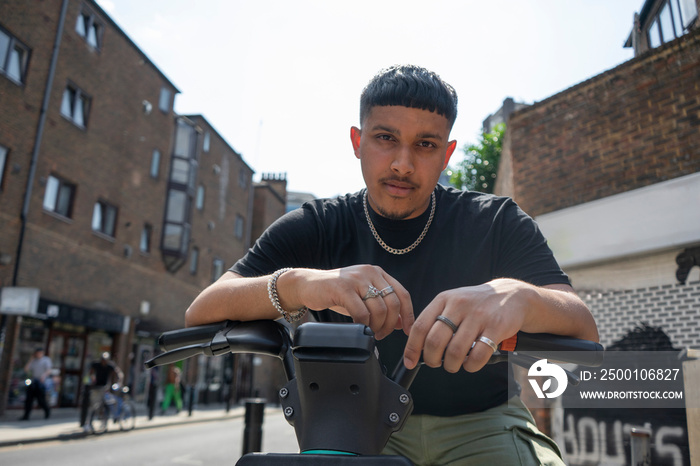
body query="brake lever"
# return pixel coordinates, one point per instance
(177, 355)
(217, 346)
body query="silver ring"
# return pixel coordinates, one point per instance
(447, 322)
(386, 291)
(489, 342)
(372, 292)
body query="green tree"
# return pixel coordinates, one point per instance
(477, 171)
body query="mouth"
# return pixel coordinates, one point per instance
(398, 188)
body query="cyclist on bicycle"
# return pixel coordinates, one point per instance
(103, 373)
(458, 271)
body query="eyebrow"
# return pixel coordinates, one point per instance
(391, 130)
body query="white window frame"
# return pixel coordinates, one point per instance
(165, 100)
(75, 105)
(199, 200)
(145, 240)
(14, 57)
(155, 163)
(104, 218)
(90, 28)
(239, 227)
(59, 196)
(3, 162)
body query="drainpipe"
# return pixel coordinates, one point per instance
(37, 139)
(8, 326)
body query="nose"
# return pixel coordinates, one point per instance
(402, 164)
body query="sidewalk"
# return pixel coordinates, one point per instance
(64, 422)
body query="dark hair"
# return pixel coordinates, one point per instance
(409, 86)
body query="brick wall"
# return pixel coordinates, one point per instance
(630, 127)
(673, 307)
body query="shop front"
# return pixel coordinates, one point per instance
(73, 338)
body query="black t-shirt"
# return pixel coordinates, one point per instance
(474, 238)
(103, 373)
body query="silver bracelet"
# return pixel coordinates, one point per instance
(275, 300)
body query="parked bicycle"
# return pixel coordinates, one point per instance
(116, 404)
(338, 397)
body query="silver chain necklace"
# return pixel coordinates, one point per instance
(411, 247)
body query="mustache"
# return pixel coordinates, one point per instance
(406, 182)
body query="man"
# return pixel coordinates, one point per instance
(458, 272)
(103, 373)
(38, 368)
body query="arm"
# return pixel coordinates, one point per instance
(237, 298)
(497, 310)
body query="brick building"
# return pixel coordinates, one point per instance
(610, 169)
(117, 210)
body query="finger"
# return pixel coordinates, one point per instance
(399, 304)
(479, 354)
(419, 332)
(436, 342)
(457, 349)
(380, 324)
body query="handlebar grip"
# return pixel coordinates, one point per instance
(585, 352)
(190, 336)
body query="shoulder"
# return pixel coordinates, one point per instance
(473, 202)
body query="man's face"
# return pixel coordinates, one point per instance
(402, 152)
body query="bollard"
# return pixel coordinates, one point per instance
(252, 432)
(640, 446)
(190, 401)
(85, 405)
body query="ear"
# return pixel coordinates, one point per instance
(450, 150)
(355, 135)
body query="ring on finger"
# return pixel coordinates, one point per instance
(386, 291)
(489, 342)
(447, 322)
(372, 292)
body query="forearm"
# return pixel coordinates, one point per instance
(557, 309)
(232, 297)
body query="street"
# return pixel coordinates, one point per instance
(206, 443)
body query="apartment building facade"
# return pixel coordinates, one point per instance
(115, 211)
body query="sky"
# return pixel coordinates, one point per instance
(280, 80)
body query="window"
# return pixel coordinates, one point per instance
(164, 101)
(14, 57)
(75, 105)
(199, 203)
(688, 13)
(155, 163)
(104, 218)
(58, 197)
(207, 142)
(243, 178)
(145, 242)
(238, 229)
(89, 28)
(194, 260)
(672, 20)
(181, 196)
(3, 162)
(217, 269)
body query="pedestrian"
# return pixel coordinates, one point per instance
(457, 271)
(39, 370)
(173, 390)
(103, 373)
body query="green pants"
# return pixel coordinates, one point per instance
(172, 392)
(504, 434)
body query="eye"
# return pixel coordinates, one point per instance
(427, 144)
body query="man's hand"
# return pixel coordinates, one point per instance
(496, 310)
(344, 291)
